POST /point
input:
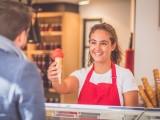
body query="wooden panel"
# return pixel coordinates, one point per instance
(71, 42)
(71, 48)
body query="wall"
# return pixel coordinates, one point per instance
(115, 12)
(147, 39)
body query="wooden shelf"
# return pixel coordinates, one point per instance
(51, 33)
(51, 90)
(49, 14)
(39, 52)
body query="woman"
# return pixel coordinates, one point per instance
(103, 82)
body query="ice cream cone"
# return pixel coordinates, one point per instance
(57, 55)
(149, 92)
(144, 97)
(59, 65)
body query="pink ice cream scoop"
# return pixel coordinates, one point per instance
(58, 53)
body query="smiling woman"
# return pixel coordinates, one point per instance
(103, 81)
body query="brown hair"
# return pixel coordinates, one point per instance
(14, 18)
(116, 55)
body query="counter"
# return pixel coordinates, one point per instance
(56, 111)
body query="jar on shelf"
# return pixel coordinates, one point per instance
(44, 46)
(53, 27)
(48, 46)
(57, 100)
(46, 27)
(41, 47)
(51, 100)
(59, 27)
(52, 46)
(35, 57)
(43, 57)
(41, 27)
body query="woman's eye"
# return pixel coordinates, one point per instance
(92, 42)
(103, 43)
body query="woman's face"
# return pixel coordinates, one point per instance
(100, 46)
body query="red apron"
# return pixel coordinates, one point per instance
(100, 94)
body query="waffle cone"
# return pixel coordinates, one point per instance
(59, 65)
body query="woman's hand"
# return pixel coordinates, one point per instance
(52, 72)
(68, 85)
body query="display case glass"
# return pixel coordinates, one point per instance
(99, 112)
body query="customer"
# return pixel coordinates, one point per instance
(103, 82)
(21, 91)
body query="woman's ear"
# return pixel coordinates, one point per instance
(114, 46)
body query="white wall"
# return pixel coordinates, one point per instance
(115, 12)
(147, 39)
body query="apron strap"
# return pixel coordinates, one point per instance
(89, 74)
(114, 77)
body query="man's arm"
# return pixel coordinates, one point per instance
(31, 94)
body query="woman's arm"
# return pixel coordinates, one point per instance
(67, 86)
(131, 98)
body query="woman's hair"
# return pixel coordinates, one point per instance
(14, 18)
(116, 55)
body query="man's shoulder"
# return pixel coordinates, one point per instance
(12, 61)
(23, 64)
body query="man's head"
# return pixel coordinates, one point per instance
(15, 21)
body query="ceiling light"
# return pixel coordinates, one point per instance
(83, 2)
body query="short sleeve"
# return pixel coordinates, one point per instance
(129, 82)
(76, 74)
(80, 75)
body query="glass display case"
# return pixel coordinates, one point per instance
(55, 111)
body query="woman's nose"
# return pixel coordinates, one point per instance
(97, 46)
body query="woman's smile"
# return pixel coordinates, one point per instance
(98, 53)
